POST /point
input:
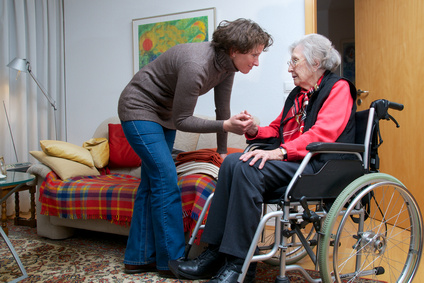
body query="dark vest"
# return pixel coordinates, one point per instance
(316, 101)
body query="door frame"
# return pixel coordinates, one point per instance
(310, 16)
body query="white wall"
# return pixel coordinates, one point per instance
(98, 56)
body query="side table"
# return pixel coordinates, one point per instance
(9, 185)
(20, 221)
(15, 183)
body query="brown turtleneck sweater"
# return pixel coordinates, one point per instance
(166, 90)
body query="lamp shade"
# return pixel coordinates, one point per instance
(22, 65)
(18, 64)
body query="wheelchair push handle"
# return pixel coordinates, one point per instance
(395, 106)
(382, 106)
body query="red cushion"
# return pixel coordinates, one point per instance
(121, 153)
(234, 150)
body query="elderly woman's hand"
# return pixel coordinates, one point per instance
(264, 155)
(239, 123)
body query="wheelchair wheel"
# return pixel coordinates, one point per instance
(294, 253)
(373, 230)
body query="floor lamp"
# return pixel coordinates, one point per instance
(23, 65)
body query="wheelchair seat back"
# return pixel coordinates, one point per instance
(336, 174)
(361, 119)
(328, 182)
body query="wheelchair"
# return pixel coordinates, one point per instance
(350, 219)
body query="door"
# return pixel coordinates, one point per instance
(389, 49)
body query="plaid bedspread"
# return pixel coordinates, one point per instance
(111, 197)
(195, 189)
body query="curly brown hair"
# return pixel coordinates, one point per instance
(241, 35)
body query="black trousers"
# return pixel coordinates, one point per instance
(236, 208)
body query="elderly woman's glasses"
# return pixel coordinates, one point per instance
(293, 62)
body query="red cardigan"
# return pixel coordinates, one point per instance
(331, 120)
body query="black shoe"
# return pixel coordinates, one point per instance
(134, 269)
(167, 274)
(204, 266)
(173, 265)
(229, 273)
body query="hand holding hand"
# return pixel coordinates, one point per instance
(253, 130)
(239, 123)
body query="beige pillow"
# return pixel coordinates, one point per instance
(99, 150)
(64, 168)
(67, 150)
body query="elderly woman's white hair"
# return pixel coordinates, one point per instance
(316, 47)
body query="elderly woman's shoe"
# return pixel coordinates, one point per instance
(204, 266)
(133, 269)
(230, 273)
(166, 274)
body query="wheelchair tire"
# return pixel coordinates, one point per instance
(388, 241)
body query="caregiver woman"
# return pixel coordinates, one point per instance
(161, 98)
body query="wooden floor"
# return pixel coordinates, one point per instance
(419, 277)
(307, 264)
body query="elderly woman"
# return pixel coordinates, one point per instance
(320, 108)
(161, 98)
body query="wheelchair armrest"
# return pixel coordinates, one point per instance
(330, 146)
(258, 145)
(266, 144)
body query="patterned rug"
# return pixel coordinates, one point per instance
(86, 257)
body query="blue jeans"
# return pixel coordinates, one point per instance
(156, 232)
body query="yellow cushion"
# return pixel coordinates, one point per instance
(67, 150)
(99, 149)
(64, 168)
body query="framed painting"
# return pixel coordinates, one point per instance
(152, 36)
